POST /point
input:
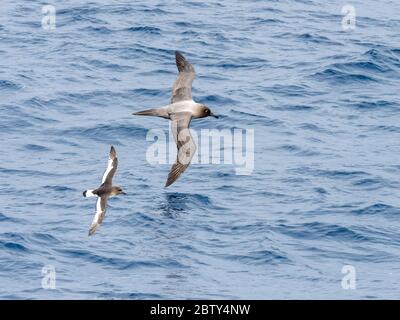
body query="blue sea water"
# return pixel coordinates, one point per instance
(323, 103)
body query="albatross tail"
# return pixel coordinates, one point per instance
(149, 112)
(156, 112)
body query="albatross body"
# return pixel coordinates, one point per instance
(105, 191)
(181, 111)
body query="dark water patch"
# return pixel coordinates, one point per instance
(60, 188)
(257, 118)
(308, 37)
(100, 30)
(144, 30)
(108, 65)
(127, 296)
(231, 188)
(36, 148)
(261, 257)
(319, 230)
(312, 127)
(63, 141)
(373, 105)
(106, 132)
(370, 183)
(295, 150)
(291, 90)
(175, 204)
(332, 174)
(388, 58)
(294, 108)
(14, 247)
(371, 66)
(248, 63)
(217, 100)
(379, 209)
(118, 263)
(45, 238)
(146, 92)
(3, 218)
(186, 24)
(385, 128)
(340, 77)
(254, 228)
(321, 190)
(266, 21)
(8, 85)
(28, 173)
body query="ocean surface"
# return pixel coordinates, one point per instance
(324, 105)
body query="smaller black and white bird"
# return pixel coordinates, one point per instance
(105, 191)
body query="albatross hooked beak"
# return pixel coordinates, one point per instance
(213, 115)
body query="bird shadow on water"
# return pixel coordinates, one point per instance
(175, 204)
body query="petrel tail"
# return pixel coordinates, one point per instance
(88, 193)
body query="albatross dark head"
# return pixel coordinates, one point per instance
(206, 112)
(116, 191)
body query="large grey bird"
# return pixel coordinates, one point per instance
(181, 111)
(105, 191)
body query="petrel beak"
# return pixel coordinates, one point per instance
(213, 115)
(124, 193)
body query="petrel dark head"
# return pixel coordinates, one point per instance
(206, 112)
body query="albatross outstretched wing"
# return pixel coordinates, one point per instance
(101, 206)
(182, 89)
(185, 144)
(111, 167)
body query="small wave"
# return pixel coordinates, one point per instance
(176, 203)
(261, 257)
(332, 174)
(370, 183)
(266, 21)
(308, 37)
(3, 217)
(98, 30)
(36, 147)
(341, 77)
(106, 132)
(14, 247)
(144, 29)
(378, 209)
(8, 85)
(371, 66)
(60, 188)
(258, 118)
(298, 151)
(29, 173)
(318, 230)
(372, 105)
(119, 263)
(45, 238)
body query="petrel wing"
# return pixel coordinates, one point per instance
(185, 144)
(111, 167)
(182, 88)
(101, 206)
